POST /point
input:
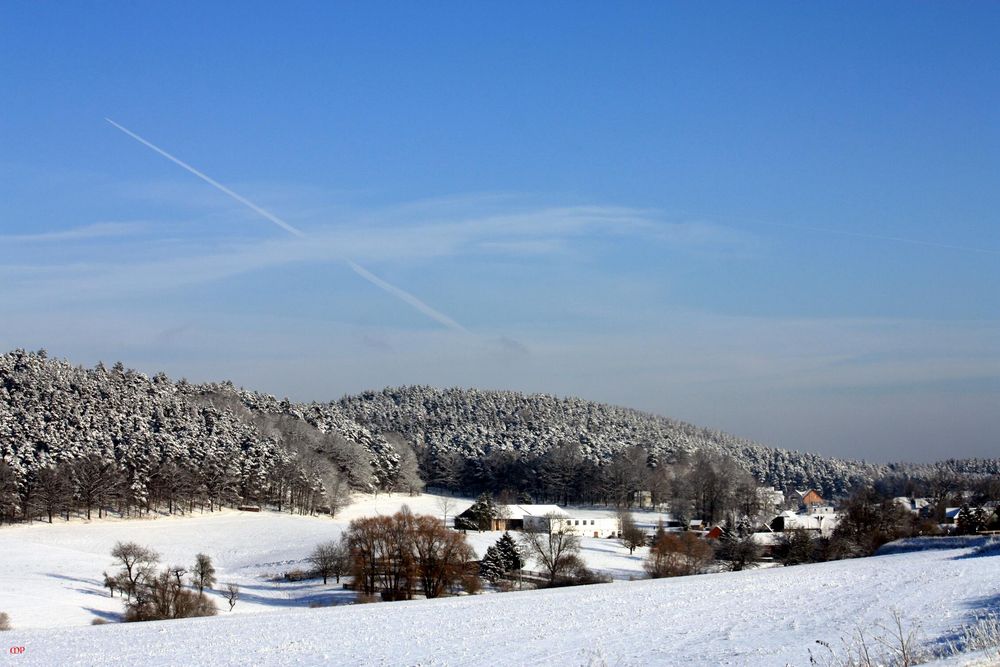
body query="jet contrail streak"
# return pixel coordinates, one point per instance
(397, 292)
(214, 183)
(407, 297)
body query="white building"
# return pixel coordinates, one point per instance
(821, 520)
(561, 520)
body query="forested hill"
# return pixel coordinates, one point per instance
(167, 439)
(154, 441)
(480, 425)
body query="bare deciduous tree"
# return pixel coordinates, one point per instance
(441, 555)
(631, 535)
(330, 559)
(232, 594)
(203, 573)
(163, 597)
(446, 504)
(555, 550)
(138, 563)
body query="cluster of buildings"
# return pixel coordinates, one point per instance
(799, 510)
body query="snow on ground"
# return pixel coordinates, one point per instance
(767, 617)
(50, 578)
(51, 575)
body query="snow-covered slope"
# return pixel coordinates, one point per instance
(51, 574)
(766, 617)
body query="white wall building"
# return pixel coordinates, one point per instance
(564, 521)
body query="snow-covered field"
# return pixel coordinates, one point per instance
(50, 577)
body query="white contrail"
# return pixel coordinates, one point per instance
(406, 296)
(397, 292)
(214, 183)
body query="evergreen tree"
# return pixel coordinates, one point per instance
(970, 520)
(511, 558)
(492, 567)
(483, 512)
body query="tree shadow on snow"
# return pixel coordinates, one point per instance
(111, 616)
(319, 599)
(988, 547)
(81, 580)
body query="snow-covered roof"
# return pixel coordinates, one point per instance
(521, 511)
(767, 539)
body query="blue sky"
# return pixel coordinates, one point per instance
(778, 220)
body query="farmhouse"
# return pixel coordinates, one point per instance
(511, 517)
(590, 526)
(820, 520)
(547, 518)
(809, 498)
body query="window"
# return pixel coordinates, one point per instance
(576, 523)
(592, 522)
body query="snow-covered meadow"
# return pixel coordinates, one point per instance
(50, 575)
(50, 579)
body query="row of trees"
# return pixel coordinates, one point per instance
(704, 486)
(76, 440)
(94, 484)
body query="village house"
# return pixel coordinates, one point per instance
(808, 498)
(820, 520)
(509, 517)
(770, 498)
(590, 526)
(919, 506)
(545, 518)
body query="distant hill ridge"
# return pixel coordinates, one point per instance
(51, 411)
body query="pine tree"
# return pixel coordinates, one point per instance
(491, 567)
(511, 558)
(483, 512)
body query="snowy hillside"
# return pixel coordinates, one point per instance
(51, 574)
(51, 579)
(170, 440)
(767, 617)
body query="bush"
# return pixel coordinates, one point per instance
(797, 546)
(98, 621)
(163, 598)
(298, 575)
(676, 555)
(983, 635)
(890, 644)
(4, 621)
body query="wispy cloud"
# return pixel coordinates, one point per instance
(402, 235)
(100, 230)
(401, 294)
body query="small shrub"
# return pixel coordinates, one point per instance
(889, 645)
(298, 575)
(471, 583)
(98, 621)
(4, 621)
(983, 635)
